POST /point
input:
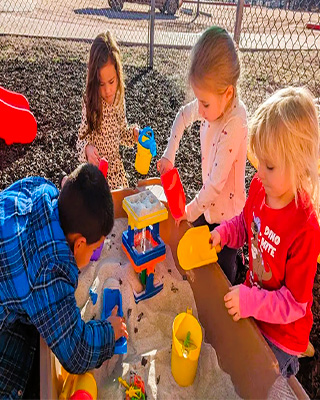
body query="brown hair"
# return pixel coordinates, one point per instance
(103, 49)
(214, 61)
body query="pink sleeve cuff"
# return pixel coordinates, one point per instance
(276, 306)
(233, 233)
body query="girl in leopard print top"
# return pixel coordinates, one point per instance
(104, 125)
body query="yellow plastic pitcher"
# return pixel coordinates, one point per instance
(146, 149)
(186, 345)
(79, 386)
(194, 248)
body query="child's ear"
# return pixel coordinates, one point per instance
(76, 242)
(229, 92)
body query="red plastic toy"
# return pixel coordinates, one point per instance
(174, 192)
(18, 124)
(103, 166)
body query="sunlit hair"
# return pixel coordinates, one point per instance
(103, 49)
(214, 61)
(285, 131)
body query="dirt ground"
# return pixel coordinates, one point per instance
(51, 74)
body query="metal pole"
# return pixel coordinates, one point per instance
(237, 28)
(151, 32)
(198, 8)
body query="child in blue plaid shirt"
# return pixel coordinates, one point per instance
(44, 239)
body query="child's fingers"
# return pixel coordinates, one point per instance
(232, 311)
(236, 317)
(177, 221)
(124, 330)
(227, 297)
(114, 311)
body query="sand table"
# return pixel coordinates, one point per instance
(149, 325)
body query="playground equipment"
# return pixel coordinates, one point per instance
(174, 192)
(79, 387)
(194, 249)
(146, 149)
(18, 124)
(141, 242)
(241, 349)
(112, 298)
(135, 389)
(186, 345)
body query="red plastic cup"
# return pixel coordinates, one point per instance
(103, 166)
(174, 192)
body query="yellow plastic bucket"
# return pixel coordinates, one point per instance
(76, 386)
(146, 149)
(185, 353)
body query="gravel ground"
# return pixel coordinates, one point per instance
(51, 74)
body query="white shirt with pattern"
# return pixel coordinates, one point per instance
(223, 154)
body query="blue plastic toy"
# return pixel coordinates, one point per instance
(112, 298)
(93, 296)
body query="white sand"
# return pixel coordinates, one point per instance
(150, 336)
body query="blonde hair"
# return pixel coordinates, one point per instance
(285, 129)
(104, 49)
(214, 61)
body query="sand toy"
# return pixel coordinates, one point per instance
(174, 192)
(186, 345)
(194, 249)
(146, 149)
(112, 298)
(135, 389)
(79, 387)
(141, 242)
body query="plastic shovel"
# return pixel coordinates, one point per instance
(194, 249)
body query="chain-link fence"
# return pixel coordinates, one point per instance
(279, 40)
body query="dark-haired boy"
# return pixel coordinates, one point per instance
(44, 238)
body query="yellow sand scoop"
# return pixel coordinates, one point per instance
(195, 250)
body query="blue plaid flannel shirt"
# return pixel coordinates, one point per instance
(38, 278)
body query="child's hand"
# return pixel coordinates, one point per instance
(215, 238)
(164, 165)
(92, 155)
(118, 324)
(232, 302)
(136, 133)
(184, 217)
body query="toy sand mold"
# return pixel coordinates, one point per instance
(241, 349)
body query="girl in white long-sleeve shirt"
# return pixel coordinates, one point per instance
(213, 75)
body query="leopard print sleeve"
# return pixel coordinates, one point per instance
(126, 131)
(82, 143)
